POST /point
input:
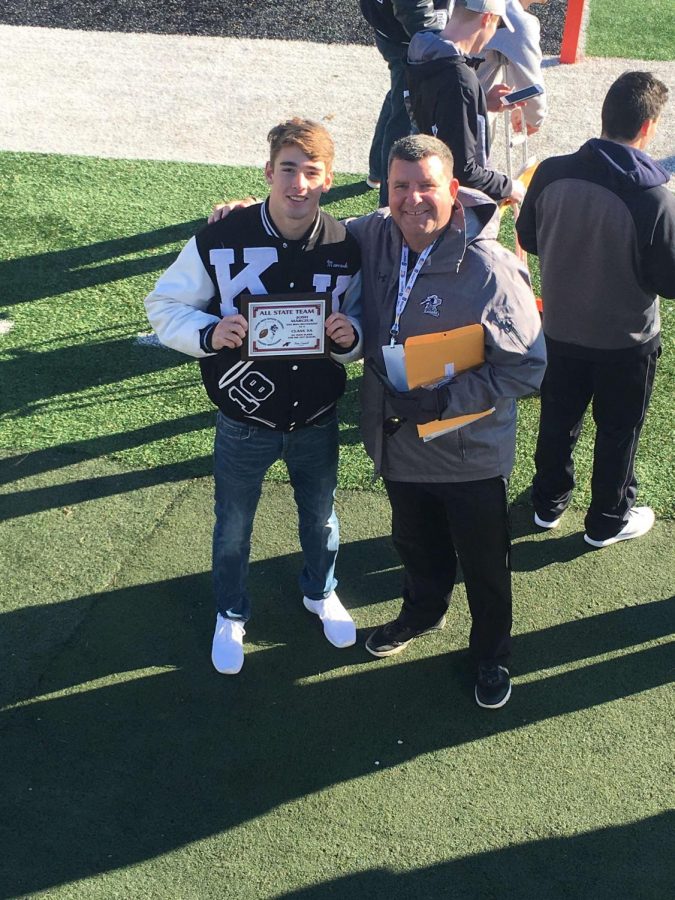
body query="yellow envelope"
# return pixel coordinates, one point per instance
(427, 358)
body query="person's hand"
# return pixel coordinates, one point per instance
(222, 210)
(229, 332)
(532, 129)
(494, 97)
(420, 405)
(340, 330)
(517, 191)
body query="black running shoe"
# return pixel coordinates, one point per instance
(395, 636)
(493, 686)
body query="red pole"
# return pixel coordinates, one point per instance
(570, 49)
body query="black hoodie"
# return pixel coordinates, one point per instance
(448, 102)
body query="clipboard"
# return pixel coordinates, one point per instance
(432, 358)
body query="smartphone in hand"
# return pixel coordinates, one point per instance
(532, 90)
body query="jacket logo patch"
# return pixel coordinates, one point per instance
(331, 264)
(430, 306)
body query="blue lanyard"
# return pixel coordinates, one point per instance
(405, 285)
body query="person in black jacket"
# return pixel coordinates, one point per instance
(271, 406)
(602, 222)
(394, 22)
(448, 101)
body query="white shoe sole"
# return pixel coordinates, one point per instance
(499, 705)
(628, 536)
(543, 523)
(381, 654)
(229, 671)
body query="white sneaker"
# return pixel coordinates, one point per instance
(373, 183)
(546, 523)
(338, 625)
(227, 653)
(640, 520)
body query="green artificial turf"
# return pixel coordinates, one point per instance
(131, 769)
(629, 29)
(82, 244)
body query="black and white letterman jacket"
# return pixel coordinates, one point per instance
(244, 254)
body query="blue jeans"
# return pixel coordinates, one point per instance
(243, 454)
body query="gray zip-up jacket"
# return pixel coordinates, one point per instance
(468, 278)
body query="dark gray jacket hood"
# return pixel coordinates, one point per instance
(427, 46)
(629, 164)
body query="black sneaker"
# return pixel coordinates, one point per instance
(493, 686)
(395, 636)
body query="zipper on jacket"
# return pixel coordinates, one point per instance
(460, 443)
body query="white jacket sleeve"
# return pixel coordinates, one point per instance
(176, 307)
(351, 307)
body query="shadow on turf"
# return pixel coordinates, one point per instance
(148, 749)
(28, 501)
(40, 376)
(34, 500)
(623, 861)
(60, 271)
(37, 462)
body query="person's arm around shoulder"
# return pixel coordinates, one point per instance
(222, 210)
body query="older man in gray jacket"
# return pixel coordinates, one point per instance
(431, 263)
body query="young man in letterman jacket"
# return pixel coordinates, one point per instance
(270, 408)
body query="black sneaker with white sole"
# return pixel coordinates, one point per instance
(493, 686)
(395, 636)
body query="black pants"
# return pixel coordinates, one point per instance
(435, 524)
(620, 392)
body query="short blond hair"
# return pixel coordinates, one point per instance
(311, 137)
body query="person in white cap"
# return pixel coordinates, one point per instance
(447, 98)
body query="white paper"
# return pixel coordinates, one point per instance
(394, 363)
